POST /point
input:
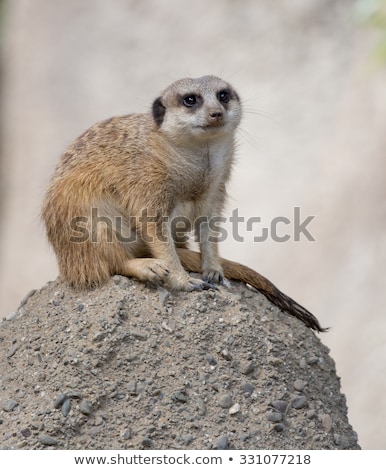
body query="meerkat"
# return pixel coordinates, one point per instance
(118, 190)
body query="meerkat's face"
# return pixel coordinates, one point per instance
(201, 108)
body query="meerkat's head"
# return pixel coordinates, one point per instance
(197, 108)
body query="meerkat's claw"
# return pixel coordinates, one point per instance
(199, 285)
(213, 277)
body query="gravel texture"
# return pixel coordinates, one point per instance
(128, 367)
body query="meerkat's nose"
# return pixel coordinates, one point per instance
(215, 115)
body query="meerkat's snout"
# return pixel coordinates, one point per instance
(215, 116)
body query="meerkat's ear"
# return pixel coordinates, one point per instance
(158, 111)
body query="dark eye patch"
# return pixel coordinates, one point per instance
(189, 100)
(224, 96)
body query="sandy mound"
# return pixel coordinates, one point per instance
(126, 366)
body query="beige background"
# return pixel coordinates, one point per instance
(313, 136)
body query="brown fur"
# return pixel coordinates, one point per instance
(172, 163)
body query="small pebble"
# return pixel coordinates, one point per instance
(187, 439)
(181, 397)
(94, 431)
(299, 402)
(275, 417)
(299, 385)
(30, 294)
(147, 443)
(9, 405)
(279, 427)
(234, 409)
(247, 388)
(222, 443)
(226, 355)
(170, 328)
(13, 315)
(313, 360)
(47, 440)
(140, 335)
(280, 405)
(85, 407)
(311, 414)
(126, 435)
(12, 351)
(66, 407)
(327, 423)
(132, 387)
(247, 367)
(25, 432)
(163, 295)
(225, 400)
(74, 394)
(98, 421)
(211, 360)
(201, 407)
(60, 400)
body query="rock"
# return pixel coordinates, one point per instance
(225, 400)
(211, 360)
(299, 402)
(187, 439)
(275, 417)
(327, 423)
(140, 335)
(60, 400)
(247, 388)
(279, 427)
(311, 414)
(180, 396)
(47, 440)
(226, 355)
(12, 351)
(9, 405)
(126, 435)
(247, 367)
(85, 407)
(299, 385)
(163, 295)
(280, 405)
(26, 432)
(132, 387)
(222, 443)
(147, 443)
(234, 409)
(201, 407)
(75, 394)
(66, 407)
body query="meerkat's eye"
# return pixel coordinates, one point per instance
(189, 100)
(224, 96)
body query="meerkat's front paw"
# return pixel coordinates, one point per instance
(147, 270)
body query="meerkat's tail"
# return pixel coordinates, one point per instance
(191, 261)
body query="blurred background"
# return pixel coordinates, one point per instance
(312, 77)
